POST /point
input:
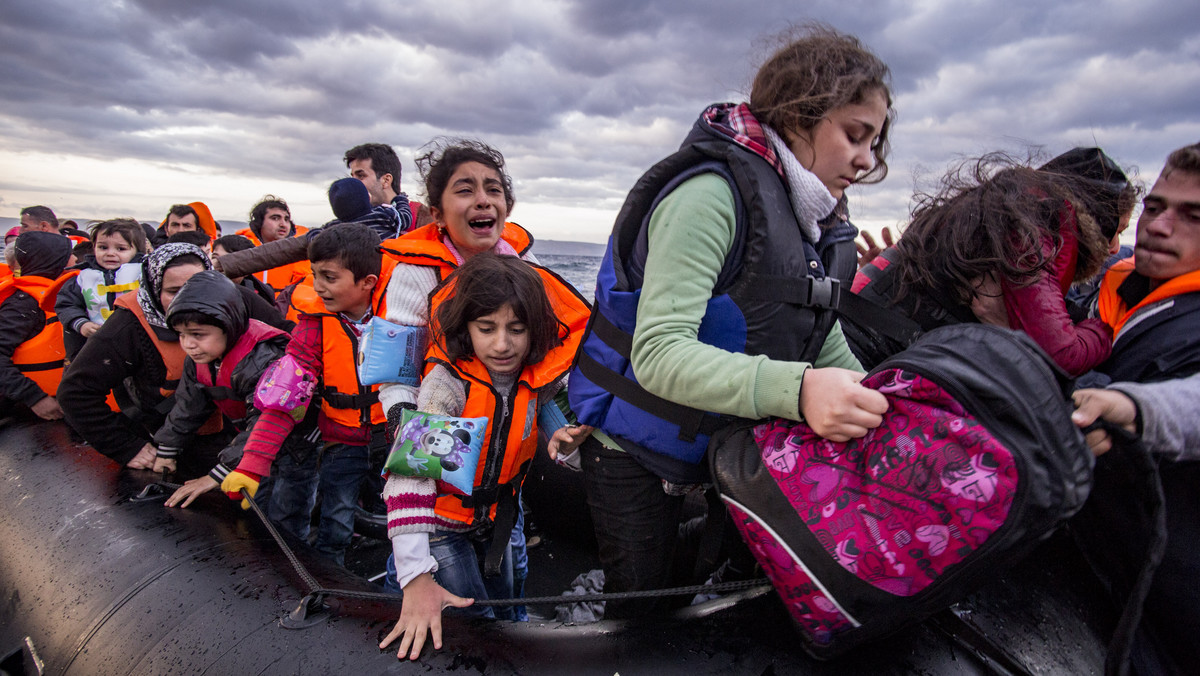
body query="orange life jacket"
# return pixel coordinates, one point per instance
(42, 357)
(172, 355)
(424, 247)
(1113, 309)
(284, 275)
(509, 444)
(345, 400)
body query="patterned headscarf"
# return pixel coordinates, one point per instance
(153, 268)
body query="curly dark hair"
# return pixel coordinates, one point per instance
(446, 154)
(817, 70)
(990, 217)
(485, 283)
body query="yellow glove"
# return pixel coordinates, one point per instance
(238, 479)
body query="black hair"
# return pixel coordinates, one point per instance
(129, 230)
(259, 211)
(482, 285)
(197, 237)
(383, 160)
(83, 249)
(447, 154)
(353, 245)
(182, 210)
(233, 243)
(40, 213)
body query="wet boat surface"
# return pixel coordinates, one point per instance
(95, 582)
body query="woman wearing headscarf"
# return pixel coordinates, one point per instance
(136, 350)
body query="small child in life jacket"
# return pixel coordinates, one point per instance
(31, 347)
(349, 278)
(114, 268)
(227, 353)
(503, 334)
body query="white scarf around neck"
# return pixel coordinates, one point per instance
(811, 200)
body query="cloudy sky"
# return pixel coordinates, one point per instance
(124, 107)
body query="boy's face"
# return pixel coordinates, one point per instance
(338, 289)
(202, 342)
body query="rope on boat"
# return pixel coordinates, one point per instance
(315, 592)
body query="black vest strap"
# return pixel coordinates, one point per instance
(805, 292)
(40, 366)
(692, 422)
(351, 401)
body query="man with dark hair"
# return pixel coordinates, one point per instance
(1152, 304)
(378, 167)
(38, 218)
(270, 221)
(181, 217)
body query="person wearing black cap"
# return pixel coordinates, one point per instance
(31, 344)
(1001, 242)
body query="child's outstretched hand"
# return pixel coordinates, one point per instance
(424, 600)
(565, 440)
(191, 490)
(836, 407)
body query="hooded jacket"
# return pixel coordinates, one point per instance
(125, 353)
(228, 385)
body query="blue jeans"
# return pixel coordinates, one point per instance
(343, 468)
(293, 492)
(520, 558)
(459, 572)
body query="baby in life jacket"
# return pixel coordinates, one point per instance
(113, 269)
(503, 334)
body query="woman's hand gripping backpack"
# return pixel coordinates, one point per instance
(976, 461)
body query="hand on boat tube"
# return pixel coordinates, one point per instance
(165, 465)
(144, 459)
(424, 600)
(238, 479)
(836, 407)
(191, 490)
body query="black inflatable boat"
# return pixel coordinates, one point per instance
(95, 581)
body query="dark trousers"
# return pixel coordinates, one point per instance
(636, 524)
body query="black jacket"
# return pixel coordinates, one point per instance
(121, 355)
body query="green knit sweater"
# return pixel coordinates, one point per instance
(690, 235)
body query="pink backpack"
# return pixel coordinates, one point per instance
(975, 463)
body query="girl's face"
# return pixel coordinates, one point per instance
(500, 340)
(473, 208)
(838, 149)
(112, 251)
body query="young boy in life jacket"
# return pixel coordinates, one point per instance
(114, 268)
(349, 279)
(227, 353)
(31, 342)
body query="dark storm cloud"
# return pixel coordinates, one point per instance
(581, 96)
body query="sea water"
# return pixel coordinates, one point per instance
(580, 271)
